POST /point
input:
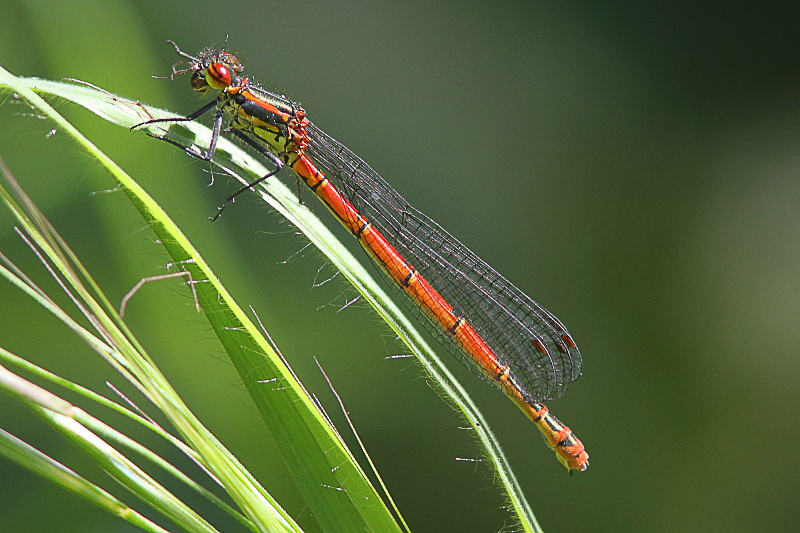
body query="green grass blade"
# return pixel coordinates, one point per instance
(313, 451)
(29, 457)
(65, 417)
(110, 433)
(118, 349)
(128, 113)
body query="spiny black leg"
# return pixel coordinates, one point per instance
(191, 151)
(258, 148)
(263, 151)
(188, 149)
(188, 118)
(247, 187)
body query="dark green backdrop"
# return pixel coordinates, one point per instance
(633, 167)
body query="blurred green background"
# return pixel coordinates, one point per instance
(633, 167)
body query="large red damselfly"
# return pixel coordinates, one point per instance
(491, 326)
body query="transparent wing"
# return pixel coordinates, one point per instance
(539, 350)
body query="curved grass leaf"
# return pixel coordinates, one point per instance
(227, 318)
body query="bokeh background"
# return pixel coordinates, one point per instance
(632, 166)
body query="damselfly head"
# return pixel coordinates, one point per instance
(214, 70)
(211, 69)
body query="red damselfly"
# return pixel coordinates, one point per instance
(491, 326)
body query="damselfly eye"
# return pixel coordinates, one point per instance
(219, 75)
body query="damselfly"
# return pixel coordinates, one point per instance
(491, 326)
